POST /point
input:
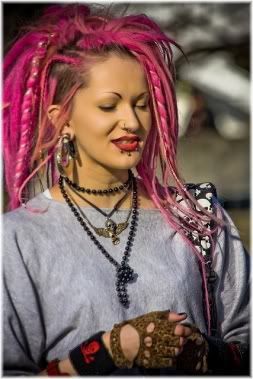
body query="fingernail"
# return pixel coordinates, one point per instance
(182, 313)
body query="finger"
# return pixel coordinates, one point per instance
(178, 350)
(166, 362)
(175, 317)
(182, 331)
(160, 362)
(167, 351)
(170, 339)
(204, 368)
(182, 341)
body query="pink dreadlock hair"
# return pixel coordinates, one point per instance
(47, 66)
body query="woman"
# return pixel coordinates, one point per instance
(94, 263)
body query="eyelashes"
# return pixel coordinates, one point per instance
(108, 109)
(113, 107)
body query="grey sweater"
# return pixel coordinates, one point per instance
(59, 289)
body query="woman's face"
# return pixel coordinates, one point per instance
(116, 96)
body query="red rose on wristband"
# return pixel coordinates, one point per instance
(91, 357)
(90, 349)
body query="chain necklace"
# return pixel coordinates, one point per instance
(112, 229)
(101, 192)
(124, 273)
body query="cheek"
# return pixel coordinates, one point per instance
(90, 126)
(147, 122)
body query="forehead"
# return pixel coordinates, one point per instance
(117, 72)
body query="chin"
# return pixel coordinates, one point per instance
(128, 162)
(125, 163)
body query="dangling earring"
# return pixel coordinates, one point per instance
(65, 153)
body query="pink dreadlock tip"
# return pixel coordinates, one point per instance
(27, 110)
(28, 92)
(35, 61)
(42, 44)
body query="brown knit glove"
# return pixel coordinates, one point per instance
(193, 359)
(159, 353)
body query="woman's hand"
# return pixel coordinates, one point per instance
(149, 348)
(193, 358)
(131, 341)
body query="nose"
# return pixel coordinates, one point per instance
(131, 120)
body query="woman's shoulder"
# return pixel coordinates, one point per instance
(36, 209)
(27, 229)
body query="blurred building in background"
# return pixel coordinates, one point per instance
(213, 90)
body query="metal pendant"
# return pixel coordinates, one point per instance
(110, 226)
(111, 230)
(115, 239)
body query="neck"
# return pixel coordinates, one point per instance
(99, 178)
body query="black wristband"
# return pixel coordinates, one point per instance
(92, 357)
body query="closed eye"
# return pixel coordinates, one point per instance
(141, 106)
(107, 109)
(113, 107)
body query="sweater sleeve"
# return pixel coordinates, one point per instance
(23, 332)
(229, 349)
(231, 263)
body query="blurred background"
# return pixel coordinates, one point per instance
(213, 90)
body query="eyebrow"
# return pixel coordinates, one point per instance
(119, 95)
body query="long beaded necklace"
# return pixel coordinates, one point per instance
(112, 229)
(124, 273)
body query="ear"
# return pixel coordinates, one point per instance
(53, 113)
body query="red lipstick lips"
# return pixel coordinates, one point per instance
(132, 145)
(127, 138)
(126, 146)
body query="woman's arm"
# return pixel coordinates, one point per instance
(23, 327)
(229, 348)
(130, 345)
(66, 366)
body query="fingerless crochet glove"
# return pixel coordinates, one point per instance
(159, 353)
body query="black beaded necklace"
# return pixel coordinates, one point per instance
(101, 192)
(124, 273)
